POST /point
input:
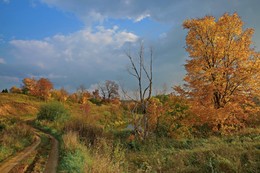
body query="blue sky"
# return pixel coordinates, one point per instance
(75, 42)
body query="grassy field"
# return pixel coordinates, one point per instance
(94, 139)
(15, 134)
(19, 106)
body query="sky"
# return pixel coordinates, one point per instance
(83, 42)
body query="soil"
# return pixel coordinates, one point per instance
(8, 164)
(14, 161)
(52, 162)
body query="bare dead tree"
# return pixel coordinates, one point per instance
(109, 90)
(144, 77)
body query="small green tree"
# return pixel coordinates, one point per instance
(4, 91)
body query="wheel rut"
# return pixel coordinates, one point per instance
(52, 162)
(10, 164)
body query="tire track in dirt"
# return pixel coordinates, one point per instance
(8, 164)
(52, 163)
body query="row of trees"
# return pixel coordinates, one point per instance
(43, 89)
(40, 88)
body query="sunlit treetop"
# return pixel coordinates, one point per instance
(223, 68)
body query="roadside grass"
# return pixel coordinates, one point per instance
(51, 119)
(14, 136)
(37, 160)
(105, 156)
(213, 154)
(108, 156)
(87, 145)
(74, 154)
(84, 145)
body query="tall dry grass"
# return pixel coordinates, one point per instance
(107, 157)
(14, 137)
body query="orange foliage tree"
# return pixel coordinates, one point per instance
(41, 88)
(222, 72)
(154, 111)
(169, 115)
(29, 85)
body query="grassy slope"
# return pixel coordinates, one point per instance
(236, 153)
(14, 134)
(18, 106)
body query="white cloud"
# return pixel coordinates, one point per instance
(141, 17)
(166, 11)
(100, 10)
(31, 48)
(95, 16)
(82, 46)
(82, 55)
(94, 54)
(2, 61)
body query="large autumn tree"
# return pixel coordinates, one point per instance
(223, 70)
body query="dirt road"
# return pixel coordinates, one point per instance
(8, 164)
(52, 162)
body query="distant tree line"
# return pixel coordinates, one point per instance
(43, 89)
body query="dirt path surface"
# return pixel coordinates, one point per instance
(51, 165)
(8, 164)
(52, 162)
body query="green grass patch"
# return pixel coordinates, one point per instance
(14, 137)
(215, 154)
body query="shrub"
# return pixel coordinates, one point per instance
(73, 161)
(75, 155)
(202, 131)
(98, 102)
(88, 133)
(52, 112)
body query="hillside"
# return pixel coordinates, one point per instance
(95, 139)
(18, 105)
